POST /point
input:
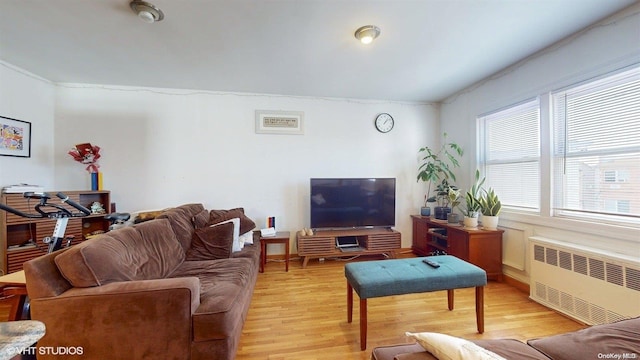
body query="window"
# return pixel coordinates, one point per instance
(510, 154)
(596, 149)
(613, 176)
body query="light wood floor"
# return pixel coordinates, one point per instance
(302, 314)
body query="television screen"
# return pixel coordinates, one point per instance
(353, 203)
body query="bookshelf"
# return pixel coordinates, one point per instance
(21, 239)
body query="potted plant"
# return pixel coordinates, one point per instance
(453, 195)
(472, 203)
(443, 208)
(490, 207)
(437, 167)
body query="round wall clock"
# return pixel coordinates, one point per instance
(384, 123)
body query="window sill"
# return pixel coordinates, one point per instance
(622, 232)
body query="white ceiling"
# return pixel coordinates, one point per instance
(427, 50)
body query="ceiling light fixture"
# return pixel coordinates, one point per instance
(147, 12)
(366, 34)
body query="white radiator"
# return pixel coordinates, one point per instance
(592, 287)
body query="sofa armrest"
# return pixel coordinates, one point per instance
(132, 288)
(102, 320)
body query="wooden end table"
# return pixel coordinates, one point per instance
(13, 291)
(281, 237)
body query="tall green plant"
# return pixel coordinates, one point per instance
(437, 165)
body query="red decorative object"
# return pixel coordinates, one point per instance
(87, 154)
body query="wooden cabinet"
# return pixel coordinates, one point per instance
(323, 243)
(482, 248)
(21, 239)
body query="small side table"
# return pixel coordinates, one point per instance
(281, 237)
(13, 291)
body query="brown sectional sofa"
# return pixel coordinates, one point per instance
(144, 292)
(618, 340)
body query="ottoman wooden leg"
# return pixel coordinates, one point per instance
(480, 308)
(450, 298)
(363, 324)
(349, 303)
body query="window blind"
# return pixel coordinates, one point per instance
(597, 149)
(510, 154)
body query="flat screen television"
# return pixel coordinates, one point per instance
(353, 203)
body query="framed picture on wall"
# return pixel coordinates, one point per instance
(279, 122)
(15, 137)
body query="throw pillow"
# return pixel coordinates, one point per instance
(212, 242)
(446, 347)
(247, 238)
(200, 220)
(246, 224)
(237, 245)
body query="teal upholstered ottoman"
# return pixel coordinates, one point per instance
(372, 279)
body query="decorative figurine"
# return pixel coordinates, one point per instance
(97, 208)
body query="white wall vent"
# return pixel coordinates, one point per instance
(592, 287)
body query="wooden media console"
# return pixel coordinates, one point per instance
(372, 242)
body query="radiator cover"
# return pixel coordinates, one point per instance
(592, 287)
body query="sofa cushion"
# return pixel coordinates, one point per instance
(250, 251)
(510, 349)
(621, 337)
(200, 220)
(145, 251)
(212, 242)
(181, 224)
(507, 348)
(191, 209)
(246, 224)
(226, 286)
(446, 347)
(408, 351)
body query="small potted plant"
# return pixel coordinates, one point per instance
(490, 207)
(425, 210)
(437, 167)
(443, 208)
(453, 195)
(472, 203)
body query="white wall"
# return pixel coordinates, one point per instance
(164, 147)
(26, 97)
(603, 47)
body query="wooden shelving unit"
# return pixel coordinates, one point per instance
(372, 241)
(21, 239)
(482, 248)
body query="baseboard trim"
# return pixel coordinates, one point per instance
(407, 252)
(516, 284)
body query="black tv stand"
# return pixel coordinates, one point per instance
(373, 241)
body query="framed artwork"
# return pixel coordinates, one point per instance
(279, 122)
(15, 137)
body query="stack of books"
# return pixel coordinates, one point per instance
(271, 222)
(22, 188)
